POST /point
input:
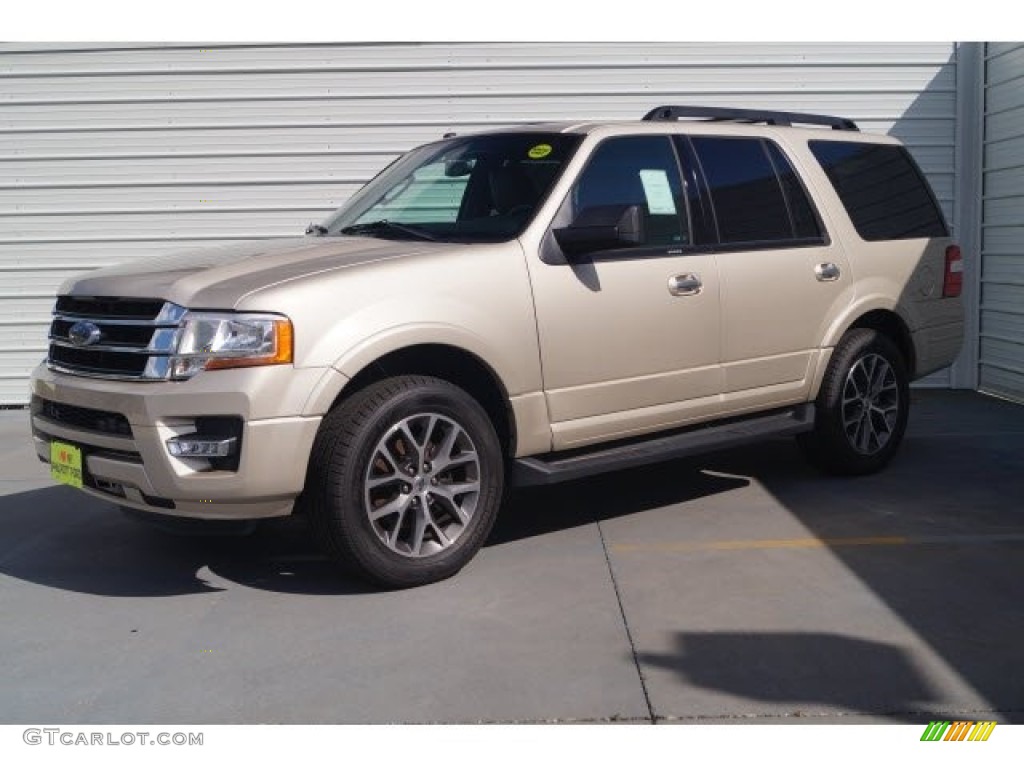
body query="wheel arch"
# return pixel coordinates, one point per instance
(880, 315)
(448, 362)
(859, 426)
(877, 314)
(889, 322)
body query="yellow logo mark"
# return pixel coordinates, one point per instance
(539, 151)
(960, 730)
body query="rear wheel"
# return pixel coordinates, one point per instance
(862, 408)
(405, 481)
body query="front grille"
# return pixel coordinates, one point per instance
(110, 307)
(112, 337)
(99, 361)
(92, 419)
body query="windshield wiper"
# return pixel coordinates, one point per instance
(383, 225)
(316, 229)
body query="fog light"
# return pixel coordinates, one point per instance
(201, 447)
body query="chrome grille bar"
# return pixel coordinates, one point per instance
(135, 345)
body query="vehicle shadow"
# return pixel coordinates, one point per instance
(834, 672)
(60, 538)
(537, 511)
(953, 495)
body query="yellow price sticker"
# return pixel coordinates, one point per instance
(539, 151)
(66, 463)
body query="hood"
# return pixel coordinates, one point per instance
(218, 278)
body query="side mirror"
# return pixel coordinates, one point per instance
(602, 228)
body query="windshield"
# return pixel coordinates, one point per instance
(470, 189)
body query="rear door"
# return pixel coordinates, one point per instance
(783, 279)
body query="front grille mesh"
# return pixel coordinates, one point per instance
(112, 337)
(98, 361)
(92, 419)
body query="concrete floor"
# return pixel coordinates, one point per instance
(741, 586)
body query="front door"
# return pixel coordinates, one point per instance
(629, 337)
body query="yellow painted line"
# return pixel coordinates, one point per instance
(718, 546)
(812, 543)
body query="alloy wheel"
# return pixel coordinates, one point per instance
(871, 404)
(422, 485)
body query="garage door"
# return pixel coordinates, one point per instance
(1001, 351)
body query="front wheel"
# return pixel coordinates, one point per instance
(862, 407)
(405, 481)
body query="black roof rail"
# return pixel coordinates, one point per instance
(751, 116)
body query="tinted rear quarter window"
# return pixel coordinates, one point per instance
(882, 189)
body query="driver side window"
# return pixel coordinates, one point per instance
(641, 171)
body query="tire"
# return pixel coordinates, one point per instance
(862, 407)
(382, 518)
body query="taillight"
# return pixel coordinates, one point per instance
(953, 281)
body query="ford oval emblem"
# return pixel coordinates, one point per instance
(84, 333)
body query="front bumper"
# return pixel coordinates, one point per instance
(136, 469)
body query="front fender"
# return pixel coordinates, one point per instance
(392, 339)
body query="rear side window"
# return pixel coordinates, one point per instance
(754, 190)
(882, 188)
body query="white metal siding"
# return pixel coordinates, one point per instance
(117, 152)
(1001, 349)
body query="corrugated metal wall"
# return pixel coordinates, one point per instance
(110, 153)
(1001, 348)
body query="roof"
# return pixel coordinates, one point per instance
(718, 120)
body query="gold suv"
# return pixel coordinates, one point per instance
(517, 307)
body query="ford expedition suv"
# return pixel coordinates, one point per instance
(517, 307)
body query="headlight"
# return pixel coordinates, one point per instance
(208, 341)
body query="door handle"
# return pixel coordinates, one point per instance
(827, 272)
(684, 285)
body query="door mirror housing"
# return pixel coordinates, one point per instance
(602, 228)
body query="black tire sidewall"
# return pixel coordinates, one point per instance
(830, 441)
(355, 534)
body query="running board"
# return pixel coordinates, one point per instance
(570, 465)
